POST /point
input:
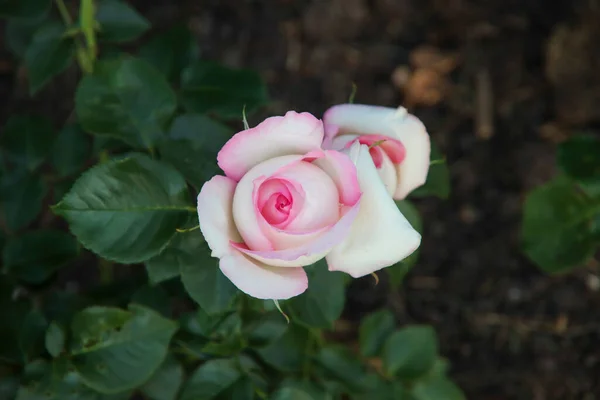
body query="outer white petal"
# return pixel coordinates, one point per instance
(262, 281)
(397, 123)
(215, 214)
(380, 235)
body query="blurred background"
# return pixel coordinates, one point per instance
(498, 84)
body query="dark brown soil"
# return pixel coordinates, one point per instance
(498, 83)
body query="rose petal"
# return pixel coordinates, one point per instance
(261, 281)
(343, 172)
(245, 214)
(380, 235)
(311, 251)
(276, 136)
(215, 214)
(395, 123)
(320, 205)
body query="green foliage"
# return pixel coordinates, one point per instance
(34, 256)
(208, 87)
(192, 146)
(210, 379)
(24, 8)
(71, 151)
(21, 198)
(126, 99)
(119, 22)
(201, 277)
(560, 218)
(126, 210)
(410, 352)
(27, 140)
(55, 339)
(374, 329)
(438, 178)
(48, 54)
(312, 307)
(115, 350)
(157, 121)
(171, 51)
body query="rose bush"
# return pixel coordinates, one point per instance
(285, 203)
(402, 150)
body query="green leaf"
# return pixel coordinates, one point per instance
(127, 210)
(192, 146)
(242, 389)
(265, 329)
(374, 330)
(48, 54)
(60, 306)
(34, 256)
(380, 389)
(27, 140)
(165, 265)
(210, 379)
(21, 198)
(119, 22)
(115, 350)
(9, 385)
(202, 278)
(126, 99)
(579, 157)
(23, 329)
(166, 381)
(208, 87)
(58, 381)
(288, 352)
(341, 364)
(438, 178)
(437, 388)
(24, 8)
(410, 352)
(398, 271)
(154, 297)
(323, 302)
(55, 339)
(557, 226)
(299, 390)
(71, 150)
(19, 33)
(170, 51)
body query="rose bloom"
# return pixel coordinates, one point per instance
(285, 203)
(399, 143)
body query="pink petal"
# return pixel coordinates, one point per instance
(245, 213)
(358, 119)
(260, 280)
(320, 200)
(380, 235)
(215, 214)
(343, 172)
(311, 251)
(276, 136)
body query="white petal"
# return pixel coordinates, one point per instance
(380, 235)
(358, 119)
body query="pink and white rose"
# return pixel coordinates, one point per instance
(285, 203)
(398, 142)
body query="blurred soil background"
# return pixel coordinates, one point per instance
(498, 83)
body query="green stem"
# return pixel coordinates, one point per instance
(64, 12)
(83, 59)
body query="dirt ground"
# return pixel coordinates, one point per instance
(498, 83)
